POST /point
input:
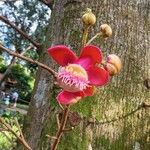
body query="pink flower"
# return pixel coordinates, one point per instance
(78, 76)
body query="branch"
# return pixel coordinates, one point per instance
(2, 18)
(15, 134)
(19, 128)
(29, 60)
(61, 128)
(93, 38)
(27, 49)
(13, 61)
(93, 121)
(48, 3)
(6, 0)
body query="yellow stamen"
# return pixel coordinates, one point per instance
(77, 70)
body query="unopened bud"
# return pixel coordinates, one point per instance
(89, 18)
(106, 30)
(113, 64)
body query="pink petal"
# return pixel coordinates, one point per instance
(85, 62)
(62, 55)
(92, 52)
(66, 97)
(97, 76)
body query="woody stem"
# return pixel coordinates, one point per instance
(61, 128)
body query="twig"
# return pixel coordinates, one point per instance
(29, 60)
(4, 19)
(93, 38)
(6, 0)
(143, 105)
(51, 137)
(60, 106)
(15, 134)
(48, 3)
(3, 130)
(58, 122)
(13, 61)
(61, 129)
(27, 49)
(18, 126)
(68, 129)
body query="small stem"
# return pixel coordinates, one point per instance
(85, 35)
(52, 137)
(58, 122)
(143, 105)
(48, 3)
(28, 59)
(61, 129)
(13, 61)
(22, 140)
(60, 106)
(4, 19)
(19, 128)
(93, 38)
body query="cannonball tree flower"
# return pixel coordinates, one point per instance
(78, 76)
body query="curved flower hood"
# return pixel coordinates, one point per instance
(78, 76)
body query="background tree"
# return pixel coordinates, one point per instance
(129, 21)
(110, 126)
(25, 16)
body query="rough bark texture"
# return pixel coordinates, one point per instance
(130, 23)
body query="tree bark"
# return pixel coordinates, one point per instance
(13, 61)
(129, 20)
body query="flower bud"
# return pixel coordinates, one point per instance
(106, 30)
(89, 18)
(113, 64)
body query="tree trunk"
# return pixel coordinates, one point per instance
(8, 70)
(129, 20)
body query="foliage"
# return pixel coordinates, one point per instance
(4, 142)
(3, 66)
(32, 67)
(30, 16)
(22, 76)
(25, 82)
(7, 139)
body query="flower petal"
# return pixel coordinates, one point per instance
(89, 91)
(97, 76)
(92, 52)
(62, 55)
(66, 97)
(85, 62)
